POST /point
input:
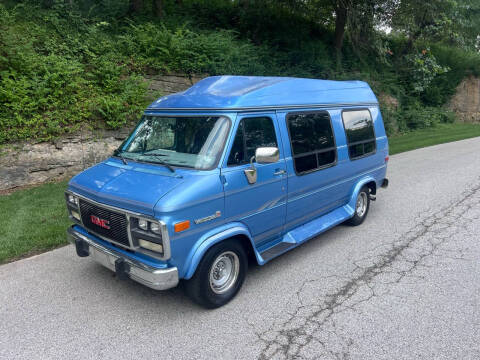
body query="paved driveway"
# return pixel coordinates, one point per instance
(405, 284)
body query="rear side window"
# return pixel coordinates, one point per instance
(359, 130)
(252, 133)
(313, 144)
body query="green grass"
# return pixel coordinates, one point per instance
(32, 221)
(440, 134)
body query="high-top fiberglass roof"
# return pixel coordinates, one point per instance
(251, 92)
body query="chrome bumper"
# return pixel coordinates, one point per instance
(158, 279)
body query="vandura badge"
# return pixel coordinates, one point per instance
(208, 218)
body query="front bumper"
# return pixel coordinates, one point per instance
(158, 279)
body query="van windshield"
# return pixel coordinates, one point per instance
(194, 142)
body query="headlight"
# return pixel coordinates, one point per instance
(155, 227)
(147, 225)
(148, 234)
(72, 199)
(73, 207)
(143, 224)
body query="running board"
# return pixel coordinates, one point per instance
(276, 250)
(305, 232)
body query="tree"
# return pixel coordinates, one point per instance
(136, 5)
(341, 13)
(158, 8)
(430, 20)
(466, 24)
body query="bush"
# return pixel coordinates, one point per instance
(66, 64)
(461, 63)
(155, 48)
(417, 116)
(50, 87)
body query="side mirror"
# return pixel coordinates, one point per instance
(263, 155)
(267, 155)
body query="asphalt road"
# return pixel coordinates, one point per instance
(405, 284)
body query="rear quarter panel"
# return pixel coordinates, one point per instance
(374, 165)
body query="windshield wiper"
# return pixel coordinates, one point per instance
(169, 167)
(119, 154)
(151, 153)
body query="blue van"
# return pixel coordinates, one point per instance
(232, 170)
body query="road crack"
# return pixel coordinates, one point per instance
(310, 330)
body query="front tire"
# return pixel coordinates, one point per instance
(219, 276)
(362, 205)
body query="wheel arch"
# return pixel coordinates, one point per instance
(365, 181)
(233, 230)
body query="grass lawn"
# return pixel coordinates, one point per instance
(32, 221)
(35, 220)
(442, 133)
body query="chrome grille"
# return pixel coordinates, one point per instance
(117, 222)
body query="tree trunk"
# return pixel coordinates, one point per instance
(136, 6)
(158, 6)
(341, 13)
(244, 3)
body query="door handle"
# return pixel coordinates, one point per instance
(280, 172)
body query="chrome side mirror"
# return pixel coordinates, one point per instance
(263, 155)
(267, 155)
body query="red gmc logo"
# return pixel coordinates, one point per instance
(100, 222)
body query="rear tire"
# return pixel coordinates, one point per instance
(219, 276)
(362, 205)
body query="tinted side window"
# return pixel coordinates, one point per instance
(313, 144)
(237, 153)
(359, 130)
(252, 133)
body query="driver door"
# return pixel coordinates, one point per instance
(261, 205)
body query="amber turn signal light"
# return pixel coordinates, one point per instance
(181, 226)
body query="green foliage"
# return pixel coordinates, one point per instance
(462, 63)
(157, 48)
(54, 80)
(455, 22)
(417, 116)
(391, 120)
(70, 64)
(424, 68)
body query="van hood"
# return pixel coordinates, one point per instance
(136, 187)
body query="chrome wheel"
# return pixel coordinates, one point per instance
(224, 272)
(361, 206)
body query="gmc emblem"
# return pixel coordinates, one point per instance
(100, 222)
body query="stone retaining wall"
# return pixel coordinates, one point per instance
(168, 84)
(466, 101)
(26, 163)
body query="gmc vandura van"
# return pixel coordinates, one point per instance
(233, 169)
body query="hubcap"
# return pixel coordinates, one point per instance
(224, 272)
(361, 206)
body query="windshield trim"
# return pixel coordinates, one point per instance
(221, 153)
